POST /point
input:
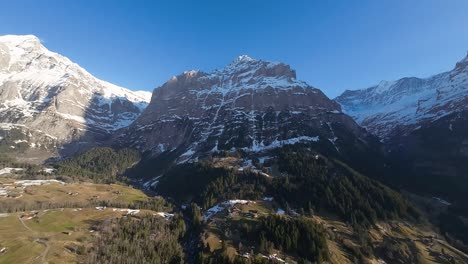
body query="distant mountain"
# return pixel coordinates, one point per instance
(399, 107)
(47, 101)
(250, 105)
(424, 125)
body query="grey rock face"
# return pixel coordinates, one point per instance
(250, 104)
(54, 100)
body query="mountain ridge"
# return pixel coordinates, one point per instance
(249, 105)
(403, 105)
(53, 101)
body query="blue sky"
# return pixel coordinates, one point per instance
(333, 45)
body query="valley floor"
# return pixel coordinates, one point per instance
(60, 234)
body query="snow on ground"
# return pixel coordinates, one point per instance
(247, 165)
(165, 215)
(129, 211)
(268, 199)
(224, 205)
(440, 200)
(280, 211)
(25, 183)
(275, 258)
(37, 182)
(260, 146)
(48, 170)
(9, 170)
(152, 183)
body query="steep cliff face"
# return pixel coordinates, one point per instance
(251, 104)
(47, 101)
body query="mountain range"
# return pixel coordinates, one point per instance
(49, 103)
(362, 178)
(402, 106)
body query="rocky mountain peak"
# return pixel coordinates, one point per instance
(51, 97)
(246, 67)
(21, 40)
(463, 64)
(250, 104)
(242, 59)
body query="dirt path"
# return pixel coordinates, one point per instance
(46, 250)
(25, 226)
(37, 240)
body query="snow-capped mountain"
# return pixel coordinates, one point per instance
(250, 104)
(53, 101)
(401, 106)
(424, 125)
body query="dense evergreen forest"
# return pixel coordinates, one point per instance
(338, 188)
(301, 237)
(145, 239)
(308, 184)
(102, 165)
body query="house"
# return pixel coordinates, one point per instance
(29, 216)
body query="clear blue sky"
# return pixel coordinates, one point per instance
(333, 45)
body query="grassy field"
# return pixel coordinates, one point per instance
(52, 236)
(74, 192)
(57, 235)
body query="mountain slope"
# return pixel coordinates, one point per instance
(50, 101)
(250, 105)
(401, 106)
(423, 123)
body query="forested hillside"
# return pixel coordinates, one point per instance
(98, 164)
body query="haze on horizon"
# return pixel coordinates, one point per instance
(333, 46)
